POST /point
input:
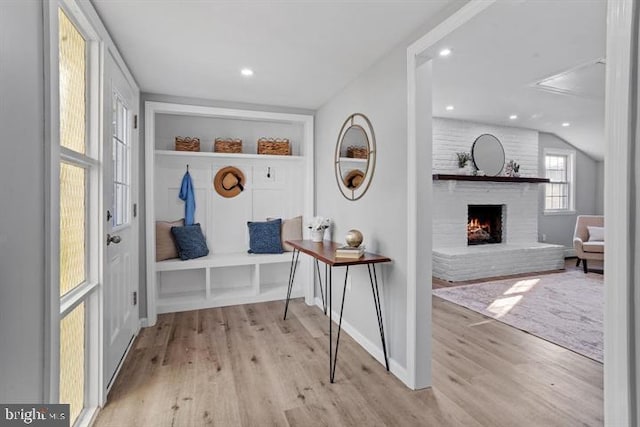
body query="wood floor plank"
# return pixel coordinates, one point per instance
(246, 366)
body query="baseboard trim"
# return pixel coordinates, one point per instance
(570, 253)
(375, 351)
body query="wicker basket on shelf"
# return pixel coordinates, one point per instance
(227, 145)
(357, 152)
(187, 144)
(274, 146)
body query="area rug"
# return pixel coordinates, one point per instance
(563, 308)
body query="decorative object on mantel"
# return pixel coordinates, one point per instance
(512, 169)
(317, 227)
(487, 154)
(277, 146)
(354, 238)
(187, 144)
(229, 182)
(463, 159)
(227, 145)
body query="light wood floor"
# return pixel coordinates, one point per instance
(245, 366)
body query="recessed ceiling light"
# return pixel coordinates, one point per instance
(445, 52)
(566, 124)
(449, 108)
(247, 72)
(513, 117)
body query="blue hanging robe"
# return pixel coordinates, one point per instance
(186, 194)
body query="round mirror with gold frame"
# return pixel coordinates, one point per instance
(355, 156)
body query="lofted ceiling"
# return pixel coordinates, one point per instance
(301, 51)
(540, 60)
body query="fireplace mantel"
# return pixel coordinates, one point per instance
(451, 177)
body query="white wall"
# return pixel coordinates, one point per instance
(558, 229)
(381, 214)
(599, 188)
(22, 288)
(381, 94)
(452, 136)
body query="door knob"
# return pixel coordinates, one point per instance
(113, 239)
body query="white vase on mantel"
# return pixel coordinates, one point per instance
(464, 170)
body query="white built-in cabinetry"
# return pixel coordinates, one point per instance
(276, 186)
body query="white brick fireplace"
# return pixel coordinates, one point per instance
(520, 251)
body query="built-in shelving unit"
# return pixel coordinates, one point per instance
(276, 186)
(452, 177)
(227, 156)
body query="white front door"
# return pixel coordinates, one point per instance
(120, 216)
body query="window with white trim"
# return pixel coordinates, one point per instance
(559, 193)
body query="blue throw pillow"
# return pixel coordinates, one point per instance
(264, 237)
(190, 241)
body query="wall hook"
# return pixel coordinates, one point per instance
(187, 168)
(269, 172)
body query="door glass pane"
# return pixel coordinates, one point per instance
(72, 86)
(121, 163)
(72, 227)
(72, 347)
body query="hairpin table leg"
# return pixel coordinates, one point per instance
(376, 300)
(330, 324)
(324, 303)
(335, 356)
(292, 274)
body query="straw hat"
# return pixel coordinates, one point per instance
(229, 181)
(354, 179)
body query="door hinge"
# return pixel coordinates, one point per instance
(135, 298)
(135, 121)
(135, 210)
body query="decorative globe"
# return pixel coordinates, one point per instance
(354, 238)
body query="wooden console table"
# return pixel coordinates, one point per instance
(325, 252)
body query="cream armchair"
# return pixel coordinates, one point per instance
(588, 246)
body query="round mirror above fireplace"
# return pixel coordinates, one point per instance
(488, 154)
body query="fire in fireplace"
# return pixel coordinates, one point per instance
(484, 224)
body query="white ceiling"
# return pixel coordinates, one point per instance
(500, 55)
(302, 51)
(305, 51)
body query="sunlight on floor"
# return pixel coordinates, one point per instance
(502, 306)
(522, 286)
